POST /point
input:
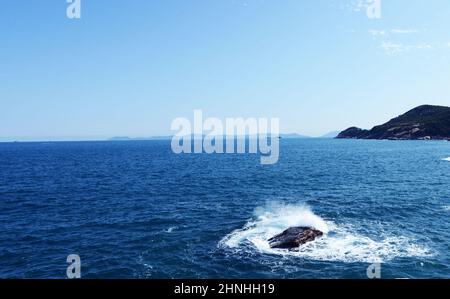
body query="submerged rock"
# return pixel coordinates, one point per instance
(294, 237)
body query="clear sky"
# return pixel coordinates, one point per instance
(131, 67)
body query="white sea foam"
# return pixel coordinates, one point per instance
(340, 242)
(446, 159)
(446, 208)
(171, 229)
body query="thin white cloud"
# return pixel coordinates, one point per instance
(357, 5)
(423, 46)
(377, 32)
(388, 39)
(394, 48)
(404, 31)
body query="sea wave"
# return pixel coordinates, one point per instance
(171, 229)
(446, 159)
(339, 243)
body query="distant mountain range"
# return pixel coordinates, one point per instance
(283, 136)
(332, 134)
(293, 136)
(126, 138)
(425, 122)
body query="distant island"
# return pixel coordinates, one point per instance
(425, 122)
(127, 138)
(168, 137)
(332, 134)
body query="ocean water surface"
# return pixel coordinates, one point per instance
(135, 210)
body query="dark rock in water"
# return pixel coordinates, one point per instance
(421, 123)
(294, 237)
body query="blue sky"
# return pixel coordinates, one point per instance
(131, 67)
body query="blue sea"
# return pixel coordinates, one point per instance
(134, 209)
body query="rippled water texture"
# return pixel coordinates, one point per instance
(136, 210)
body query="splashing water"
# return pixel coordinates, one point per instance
(339, 243)
(171, 229)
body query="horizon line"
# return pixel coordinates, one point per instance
(141, 138)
